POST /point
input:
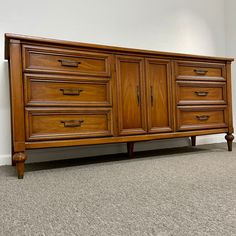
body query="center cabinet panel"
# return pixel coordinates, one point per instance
(158, 80)
(131, 95)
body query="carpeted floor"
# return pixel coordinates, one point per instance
(183, 191)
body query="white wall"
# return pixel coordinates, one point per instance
(230, 23)
(172, 25)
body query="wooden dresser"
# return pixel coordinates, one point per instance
(68, 94)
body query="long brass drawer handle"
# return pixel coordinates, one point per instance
(72, 123)
(201, 93)
(69, 63)
(203, 118)
(71, 91)
(200, 71)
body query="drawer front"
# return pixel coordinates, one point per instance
(194, 118)
(191, 92)
(199, 71)
(52, 91)
(62, 123)
(55, 60)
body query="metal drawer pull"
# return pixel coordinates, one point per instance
(69, 63)
(200, 71)
(152, 96)
(202, 118)
(71, 91)
(138, 96)
(201, 93)
(72, 123)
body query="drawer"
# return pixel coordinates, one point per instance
(63, 91)
(192, 92)
(54, 60)
(201, 117)
(67, 123)
(199, 71)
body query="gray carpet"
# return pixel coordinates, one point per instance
(182, 191)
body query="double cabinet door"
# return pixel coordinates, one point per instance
(143, 95)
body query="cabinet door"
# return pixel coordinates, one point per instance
(131, 95)
(158, 77)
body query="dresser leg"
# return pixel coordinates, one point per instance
(13, 163)
(19, 159)
(229, 137)
(130, 149)
(193, 140)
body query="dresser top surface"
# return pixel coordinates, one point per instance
(65, 43)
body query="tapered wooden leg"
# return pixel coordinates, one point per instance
(19, 159)
(193, 139)
(130, 149)
(229, 137)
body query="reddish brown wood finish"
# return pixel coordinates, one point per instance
(67, 94)
(41, 90)
(54, 60)
(187, 70)
(17, 104)
(65, 123)
(131, 95)
(201, 117)
(159, 106)
(120, 139)
(229, 137)
(205, 93)
(229, 97)
(130, 149)
(193, 141)
(19, 160)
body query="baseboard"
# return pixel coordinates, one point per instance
(208, 139)
(51, 154)
(5, 160)
(98, 150)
